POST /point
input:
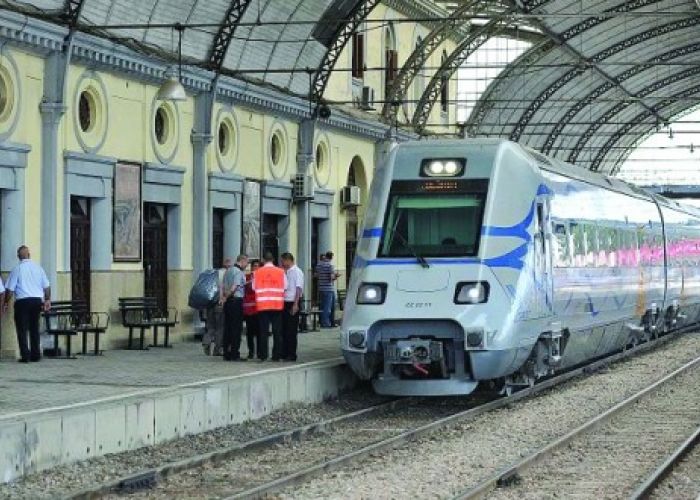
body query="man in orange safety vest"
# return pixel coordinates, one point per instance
(269, 283)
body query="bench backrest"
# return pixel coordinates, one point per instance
(135, 309)
(66, 315)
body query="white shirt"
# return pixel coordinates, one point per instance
(27, 280)
(2, 287)
(295, 279)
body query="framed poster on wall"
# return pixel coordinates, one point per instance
(251, 240)
(126, 218)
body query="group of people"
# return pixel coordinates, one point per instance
(30, 287)
(268, 299)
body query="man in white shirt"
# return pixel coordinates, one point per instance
(292, 299)
(31, 288)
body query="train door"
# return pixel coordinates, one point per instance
(542, 269)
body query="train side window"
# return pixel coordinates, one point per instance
(562, 253)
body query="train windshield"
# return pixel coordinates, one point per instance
(432, 225)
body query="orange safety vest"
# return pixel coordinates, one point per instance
(249, 306)
(269, 289)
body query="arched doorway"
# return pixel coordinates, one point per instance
(354, 214)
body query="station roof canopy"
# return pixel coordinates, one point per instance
(600, 74)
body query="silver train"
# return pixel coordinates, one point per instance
(483, 261)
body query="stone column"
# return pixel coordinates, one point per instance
(305, 160)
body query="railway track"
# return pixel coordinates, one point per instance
(661, 476)
(610, 452)
(365, 432)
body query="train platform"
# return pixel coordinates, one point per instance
(59, 411)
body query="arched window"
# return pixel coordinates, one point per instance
(444, 86)
(419, 80)
(391, 58)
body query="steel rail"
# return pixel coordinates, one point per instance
(147, 478)
(299, 477)
(513, 471)
(645, 489)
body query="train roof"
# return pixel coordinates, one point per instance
(562, 168)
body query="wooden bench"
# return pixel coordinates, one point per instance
(68, 318)
(142, 313)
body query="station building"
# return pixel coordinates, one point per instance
(118, 193)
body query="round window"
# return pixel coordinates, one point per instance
(320, 157)
(86, 111)
(160, 125)
(223, 139)
(276, 149)
(226, 138)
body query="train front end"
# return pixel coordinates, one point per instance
(428, 309)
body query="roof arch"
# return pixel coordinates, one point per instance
(603, 67)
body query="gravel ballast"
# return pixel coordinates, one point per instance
(449, 462)
(252, 468)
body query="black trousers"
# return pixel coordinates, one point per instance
(233, 327)
(290, 328)
(270, 319)
(27, 313)
(252, 331)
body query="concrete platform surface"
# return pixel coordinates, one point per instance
(56, 383)
(61, 411)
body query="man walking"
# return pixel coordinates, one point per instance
(292, 298)
(232, 293)
(269, 283)
(326, 275)
(30, 286)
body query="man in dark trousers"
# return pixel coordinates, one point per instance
(232, 292)
(30, 286)
(269, 283)
(292, 299)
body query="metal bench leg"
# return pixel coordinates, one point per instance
(167, 336)
(84, 342)
(155, 335)
(55, 346)
(97, 344)
(68, 339)
(131, 335)
(143, 334)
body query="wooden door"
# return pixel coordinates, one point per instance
(155, 252)
(80, 249)
(217, 230)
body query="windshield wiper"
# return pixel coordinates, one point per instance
(421, 260)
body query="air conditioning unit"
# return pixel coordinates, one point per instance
(367, 99)
(303, 188)
(350, 196)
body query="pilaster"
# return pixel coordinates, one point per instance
(201, 138)
(305, 160)
(51, 114)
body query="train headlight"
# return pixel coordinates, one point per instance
(472, 292)
(448, 167)
(371, 293)
(356, 339)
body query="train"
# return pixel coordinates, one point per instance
(485, 262)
